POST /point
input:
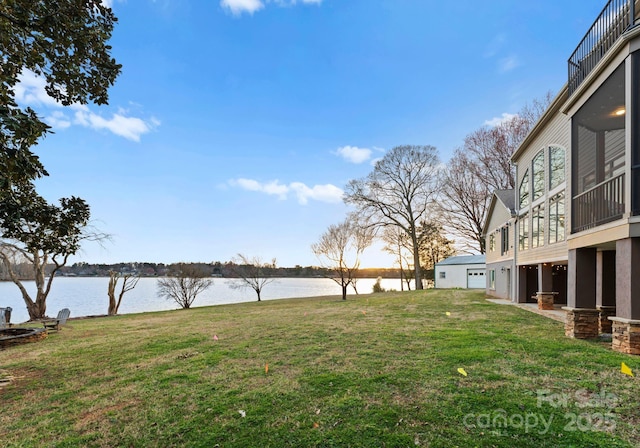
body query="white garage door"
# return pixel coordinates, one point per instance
(476, 278)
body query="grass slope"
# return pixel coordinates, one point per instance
(377, 370)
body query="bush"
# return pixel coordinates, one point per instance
(377, 287)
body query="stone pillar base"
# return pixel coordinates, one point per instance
(625, 335)
(545, 300)
(605, 323)
(581, 323)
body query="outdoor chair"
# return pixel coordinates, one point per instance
(54, 324)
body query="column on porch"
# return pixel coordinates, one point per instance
(626, 323)
(606, 288)
(582, 315)
(521, 293)
(545, 292)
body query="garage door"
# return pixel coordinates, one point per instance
(476, 278)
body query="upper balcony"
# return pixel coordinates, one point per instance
(614, 20)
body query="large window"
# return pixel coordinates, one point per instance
(524, 190)
(492, 242)
(556, 218)
(504, 240)
(523, 236)
(492, 279)
(538, 176)
(537, 226)
(557, 159)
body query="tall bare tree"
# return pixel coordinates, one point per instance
(339, 250)
(465, 201)
(252, 272)
(399, 192)
(184, 283)
(129, 281)
(480, 167)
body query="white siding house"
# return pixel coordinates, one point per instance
(468, 271)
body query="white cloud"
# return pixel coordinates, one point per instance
(509, 63)
(130, 128)
(58, 120)
(497, 121)
(322, 193)
(237, 7)
(272, 188)
(354, 154)
(30, 91)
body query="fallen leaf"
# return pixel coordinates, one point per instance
(242, 413)
(448, 313)
(626, 370)
(364, 312)
(215, 337)
(266, 368)
(316, 425)
(462, 372)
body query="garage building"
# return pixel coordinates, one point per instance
(466, 271)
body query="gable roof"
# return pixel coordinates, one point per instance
(507, 198)
(463, 259)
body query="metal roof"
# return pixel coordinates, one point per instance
(463, 259)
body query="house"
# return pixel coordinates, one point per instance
(499, 232)
(577, 198)
(468, 271)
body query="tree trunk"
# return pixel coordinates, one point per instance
(258, 292)
(416, 259)
(344, 291)
(111, 292)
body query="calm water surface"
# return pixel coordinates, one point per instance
(88, 296)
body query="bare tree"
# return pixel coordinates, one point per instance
(129, 281)
(397, 244)
(340, 248)
(183, 284)
(252, 272)
(482, 166)
(399, 192)
(465, 201)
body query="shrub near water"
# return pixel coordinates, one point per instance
(377, 370)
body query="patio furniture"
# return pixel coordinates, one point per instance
(54, 324)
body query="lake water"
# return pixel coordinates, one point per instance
(88, 296)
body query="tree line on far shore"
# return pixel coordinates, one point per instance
(213, 269)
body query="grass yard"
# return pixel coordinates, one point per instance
(374, 371)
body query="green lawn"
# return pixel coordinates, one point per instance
(374, 371)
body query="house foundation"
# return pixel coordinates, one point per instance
(582, 323)
(625, 336)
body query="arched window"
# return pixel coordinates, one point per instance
(524, 190)
(538, 175)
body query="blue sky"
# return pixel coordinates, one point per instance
(235, 124)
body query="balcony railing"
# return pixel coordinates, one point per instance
(616, 18)
(599, 205)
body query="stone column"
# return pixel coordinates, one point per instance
(606, 288)
(626, 324)
(582, 316)
(545, 292)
